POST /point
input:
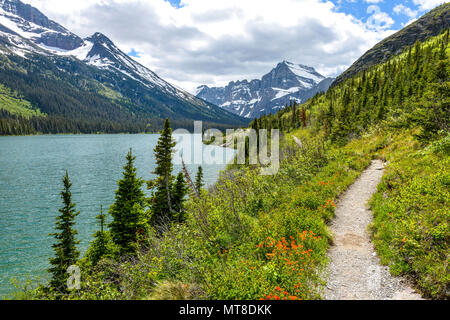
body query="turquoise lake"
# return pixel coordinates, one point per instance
(31, 169)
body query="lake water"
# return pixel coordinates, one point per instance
(31, 169)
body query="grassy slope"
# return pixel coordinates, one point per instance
(280, 209)
(411, 210)
(15, 104)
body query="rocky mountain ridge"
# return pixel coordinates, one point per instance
(285, 83)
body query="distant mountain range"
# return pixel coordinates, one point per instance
(94, 70)
(285, 83)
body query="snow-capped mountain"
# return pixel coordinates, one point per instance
(27, 33)
(285, 83)
(29, 23)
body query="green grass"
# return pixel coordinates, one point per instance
(109, 93)
(15, 104)
(411, 213)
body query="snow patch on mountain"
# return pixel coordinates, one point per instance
(285, 83)
(109, 57)
(306, 72)
(81, 53)
(280, 93)
(53, 50)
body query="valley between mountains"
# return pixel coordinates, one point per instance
(85, 85)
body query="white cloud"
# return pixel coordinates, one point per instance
(378, 20)
(428, 4)
(401, 9)
(215, 41)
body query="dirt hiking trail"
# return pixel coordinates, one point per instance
(354, 271)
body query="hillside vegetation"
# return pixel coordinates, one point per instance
(15, 104)
(266, 237)
(411, 211)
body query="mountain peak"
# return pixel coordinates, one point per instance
(99, 37)
(28, 22)
(291, 64)
(285, 83)
(25, 31)
(30, 14)
(302, 71)
(199, 89)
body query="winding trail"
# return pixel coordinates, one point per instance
(355, 272)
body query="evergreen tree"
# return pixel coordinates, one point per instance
(65, 246)
(294, 115)
(99, 246)
(325, 127)
(433, 115)
(161, 208)
(179, 193)
(199, 179)
(303, 117)
(255, 126)
(127, 211)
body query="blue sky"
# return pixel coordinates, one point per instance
(359, 10)
(134, 53)
(212, 42)
(175, 3)
(400, 11)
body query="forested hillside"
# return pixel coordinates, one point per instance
(410, 90)
(73, 102)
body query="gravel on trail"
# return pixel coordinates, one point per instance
(354, 271)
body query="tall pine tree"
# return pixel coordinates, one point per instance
(199, 180)
(65, 246)
(129, 220)
(99, 246)
(294, 116)
(179, 193)
(162, 211)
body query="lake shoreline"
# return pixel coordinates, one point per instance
(30, 183)
(77, 134)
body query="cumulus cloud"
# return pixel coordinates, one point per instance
(215, 41)
(428, 4)
(378, 20)
(401, 9)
